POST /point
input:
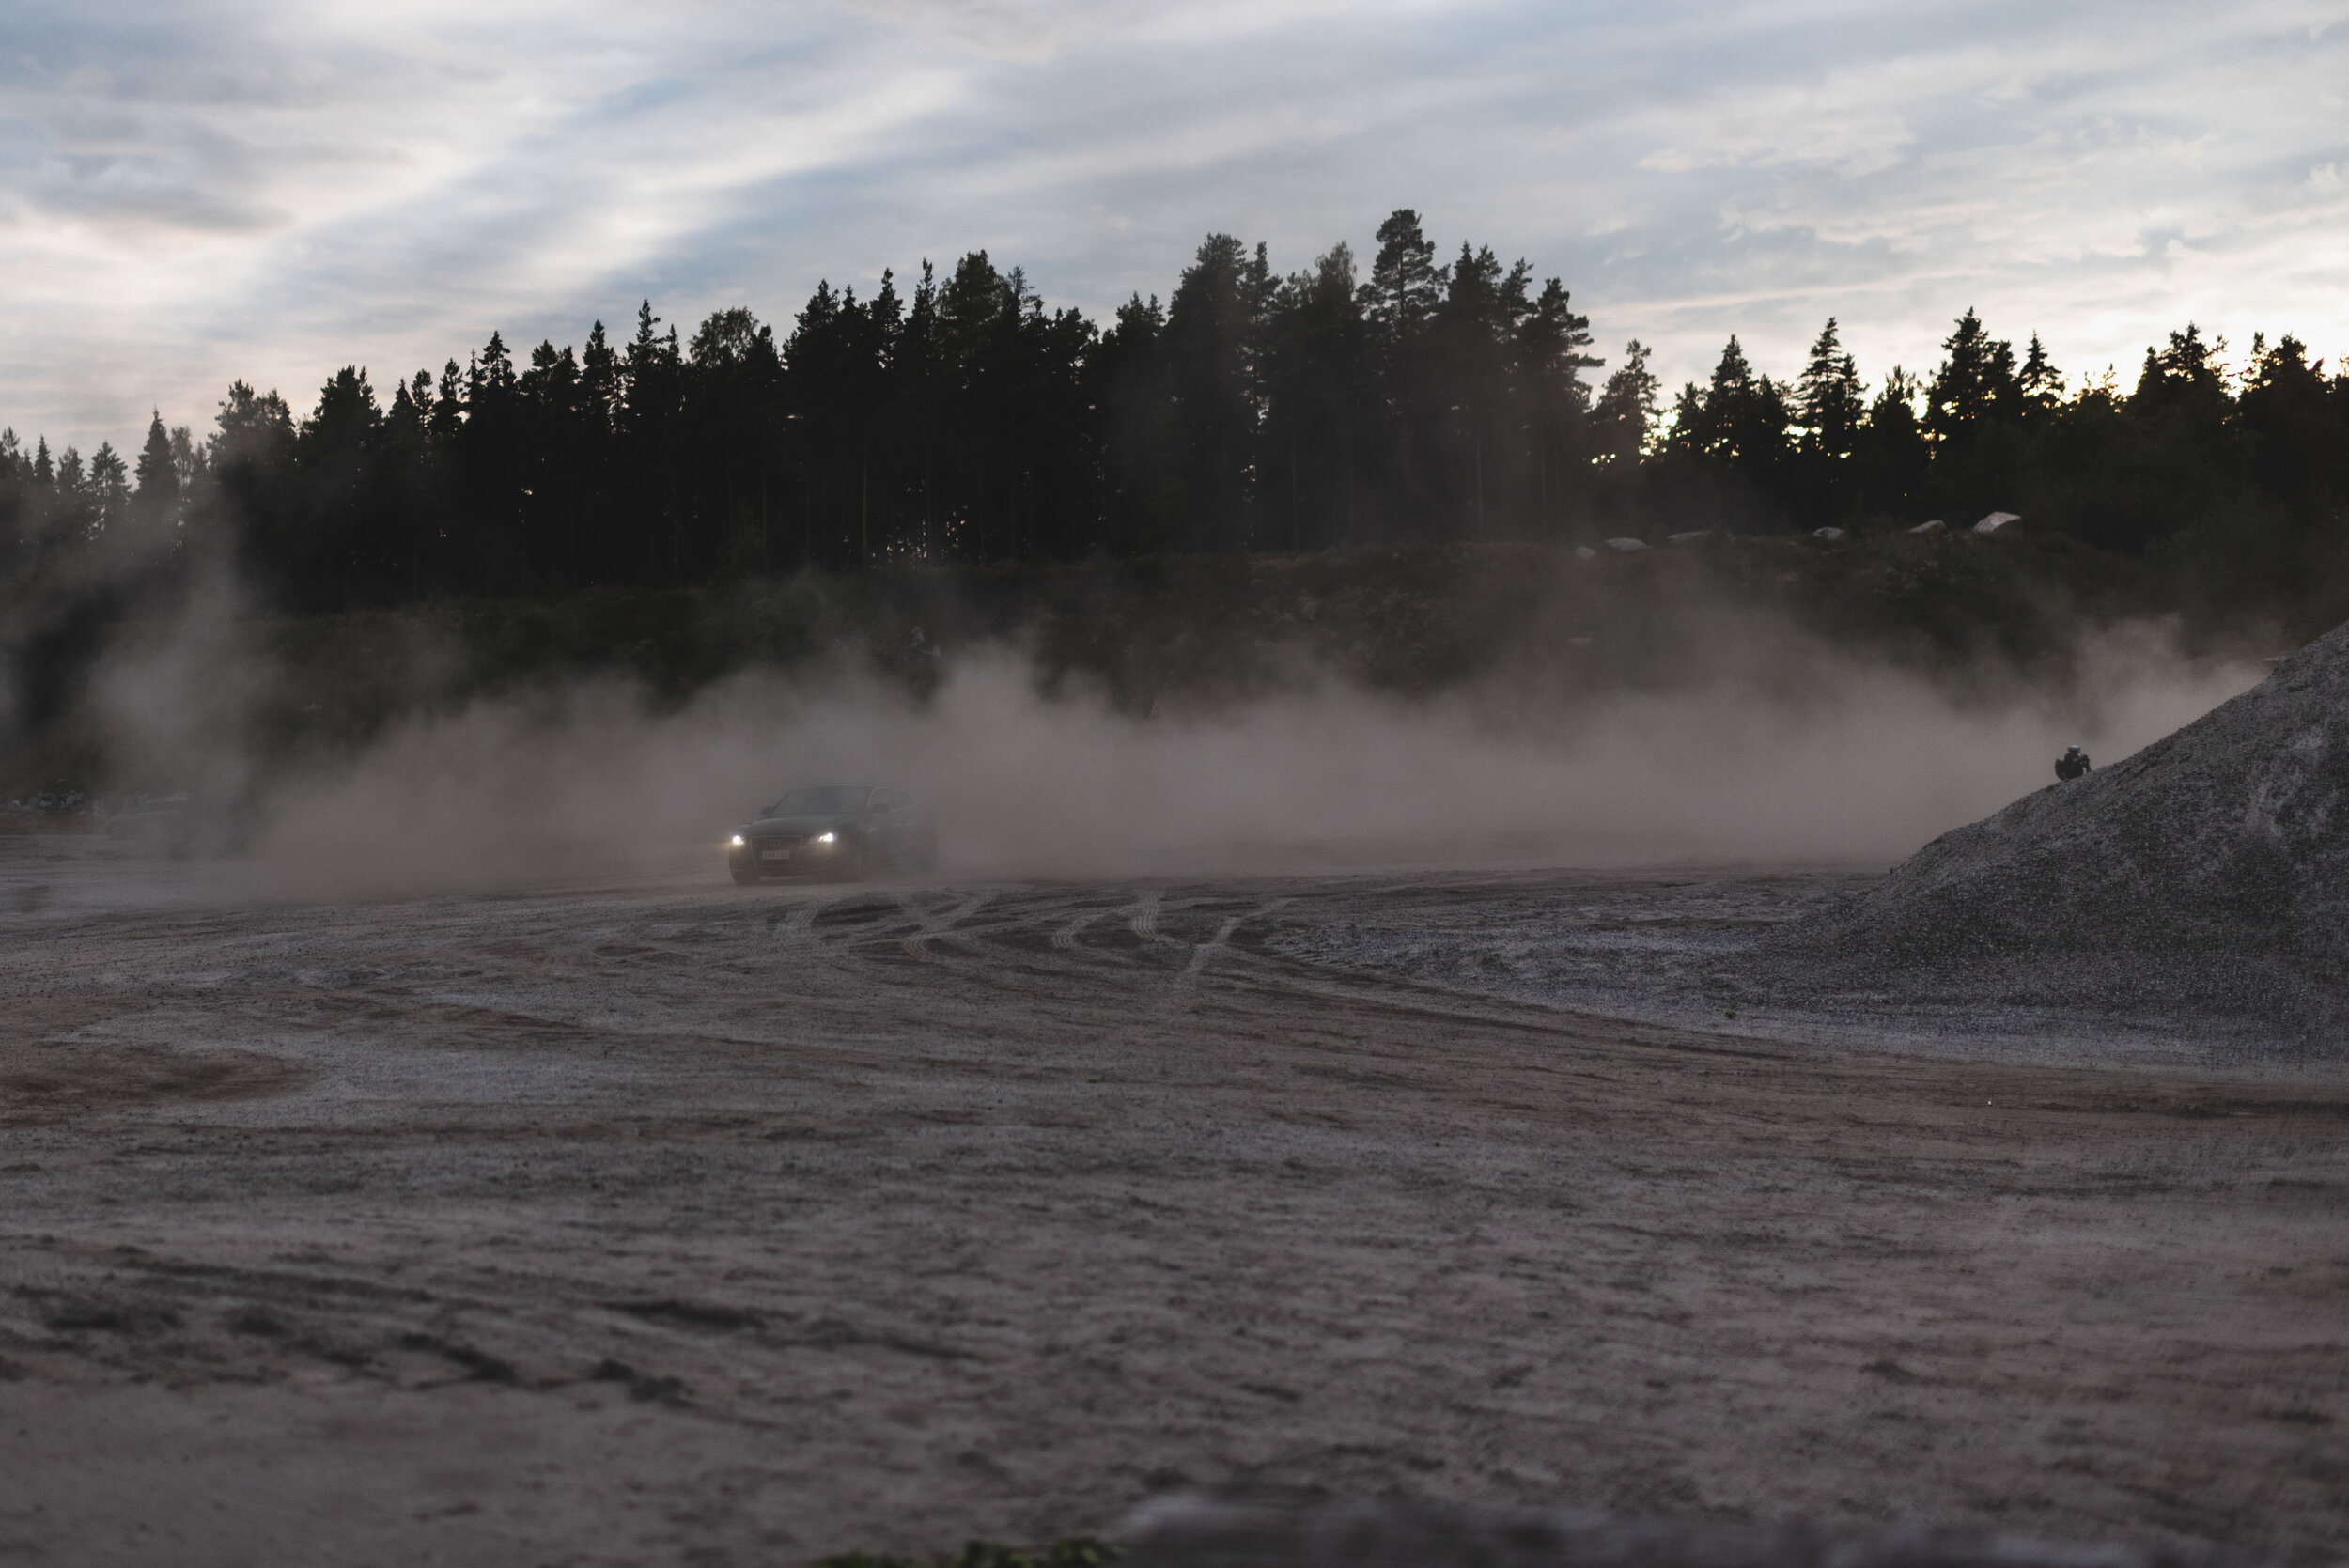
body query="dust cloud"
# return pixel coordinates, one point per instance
(1819, 761)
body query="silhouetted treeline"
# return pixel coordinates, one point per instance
(965, 420)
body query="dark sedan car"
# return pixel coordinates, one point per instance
(837, 831)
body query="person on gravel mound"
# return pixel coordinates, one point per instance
(2072, 764)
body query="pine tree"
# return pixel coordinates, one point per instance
(1470, 339)
(493, 376)
(1551, 345)
(1211, 343)
(1315, 382)
(1404, 288)
(1626, 412)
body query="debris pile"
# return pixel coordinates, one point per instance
(2208, 876)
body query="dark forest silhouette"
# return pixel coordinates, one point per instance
(966, 421)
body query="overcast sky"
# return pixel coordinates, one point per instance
(197, 190)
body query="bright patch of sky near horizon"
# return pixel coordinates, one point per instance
(225, 188)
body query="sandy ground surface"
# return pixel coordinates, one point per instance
(648, 1220)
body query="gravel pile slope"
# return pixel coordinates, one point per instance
(2207, 875)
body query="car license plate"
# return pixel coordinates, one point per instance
(774, 854)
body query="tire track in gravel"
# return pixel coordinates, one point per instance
(932, 926)
(1065, 939)
(799, 928)
(1202, 952)
(1144, 922)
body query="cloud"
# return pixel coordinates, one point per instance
(232, 188)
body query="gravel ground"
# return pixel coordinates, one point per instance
(646, 1219)
(1706, 948)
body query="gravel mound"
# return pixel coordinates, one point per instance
(2207, 876)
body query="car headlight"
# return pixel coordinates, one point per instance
(735, 843)
(826, 838)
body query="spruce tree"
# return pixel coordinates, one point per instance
(1893, 452)
(1975, 384)
(187, 459)
(599, 380)
(109, 488)
(1830, 397)
(72, 512)
(1211, 344)
(158, 497)
(448, 404)
(2040, 384)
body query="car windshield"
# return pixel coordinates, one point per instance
(819, 800)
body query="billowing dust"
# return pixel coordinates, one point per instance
(1777, 748)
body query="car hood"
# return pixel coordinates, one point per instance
(808, 825)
